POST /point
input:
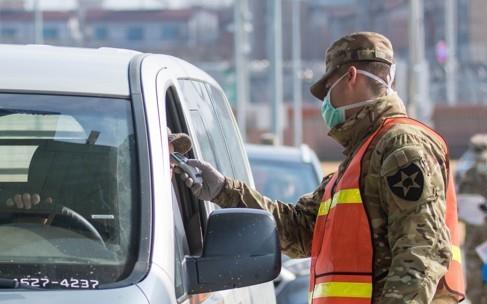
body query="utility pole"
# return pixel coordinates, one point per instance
(38, 23)
(78, 32)
(451, 42)
(242, 49)
(297, 85)
(277, 107)
(418, 73)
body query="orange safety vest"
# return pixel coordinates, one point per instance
(342, 249)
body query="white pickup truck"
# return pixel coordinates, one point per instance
(83, 135)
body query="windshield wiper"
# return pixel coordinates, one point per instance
(14, 284)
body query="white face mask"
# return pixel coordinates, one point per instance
(334, 116)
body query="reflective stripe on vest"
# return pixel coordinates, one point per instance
(341, 264)
(456, 254)
(345, 196)
(343, 289)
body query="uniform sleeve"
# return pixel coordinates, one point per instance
(295, 223)
(413, 196)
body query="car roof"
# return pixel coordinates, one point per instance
(180, 68)
(80, 71)
(278, 153)
(43, 68)
(271, 153)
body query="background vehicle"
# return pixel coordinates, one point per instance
(285, 174)
(119, 226)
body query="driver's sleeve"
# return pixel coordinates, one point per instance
(295, 223)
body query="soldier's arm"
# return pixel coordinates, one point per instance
(295, 223)
(413, 180)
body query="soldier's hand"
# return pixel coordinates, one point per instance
(212, 184)
(25, 200)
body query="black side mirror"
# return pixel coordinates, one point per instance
(241, 248)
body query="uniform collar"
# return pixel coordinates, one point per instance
(350, 133)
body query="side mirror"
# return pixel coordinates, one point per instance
(241, 248)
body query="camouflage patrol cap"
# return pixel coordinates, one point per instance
(360, 46)
(182, 142)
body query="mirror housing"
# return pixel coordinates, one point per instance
(241, 248)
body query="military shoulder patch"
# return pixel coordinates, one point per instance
(407, 183)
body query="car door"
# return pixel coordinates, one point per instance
(208, 142)
(190, 215)
(220, 142)
(263, 293)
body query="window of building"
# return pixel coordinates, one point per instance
(9, 33)
(135, 33)
(101, 33)
(171, 31)
(51, 33)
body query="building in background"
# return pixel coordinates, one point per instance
(190, 33)
(12, 4)
(204, 36)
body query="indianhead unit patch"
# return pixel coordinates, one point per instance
(407, 183)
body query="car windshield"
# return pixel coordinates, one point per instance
(67, 190)
(284, 180)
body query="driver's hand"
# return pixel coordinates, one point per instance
(26, 200)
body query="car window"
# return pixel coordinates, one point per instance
(76, 155)
(284, 181)
(229, 127)
(204, 138)
(193, 214)
(205, 122)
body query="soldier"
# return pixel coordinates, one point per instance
(474, 182)
(382, 229)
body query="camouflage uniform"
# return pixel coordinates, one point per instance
(474, 182)
(411, 239)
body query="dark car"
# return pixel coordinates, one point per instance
(286, 173)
